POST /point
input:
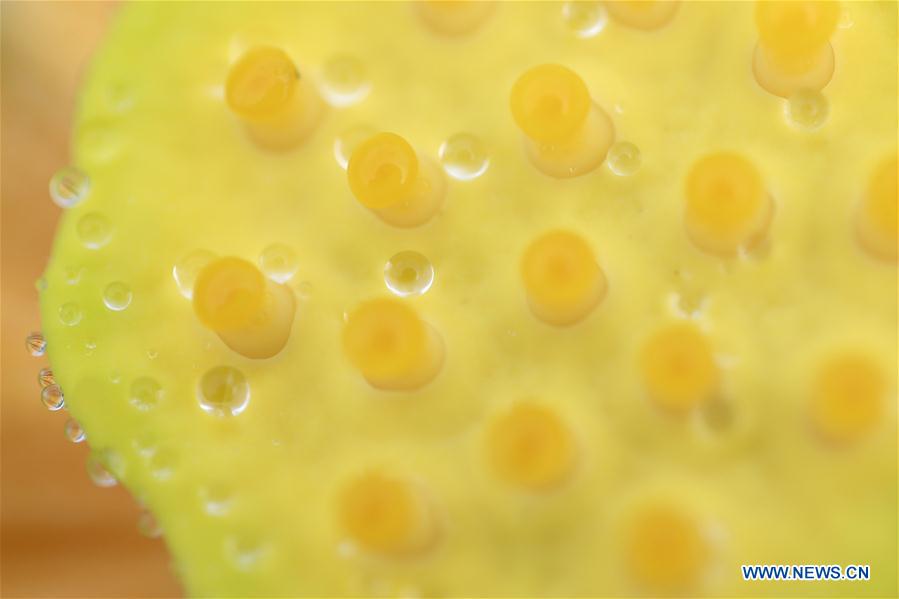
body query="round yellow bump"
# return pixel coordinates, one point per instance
(387, 514)
(666, 549)
(877, 219)
(678, 368)
(261, 83)
(642, 14)
(530, 447)
(848, 398)
(228, 293)
(562, 279)
(550, 103)
(391, 346)
(454, 17)
(383, 171)
(727, 207)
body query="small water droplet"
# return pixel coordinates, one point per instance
(98, 472)
(344, 81)
(624, 159)
(807, 109)
(464, 157)
(148, 526)
(36, 344)
(41, 284)
(72, 274)
(70, 314)
(152, 353)
(223, 391)
(69, 186)
(188, 267)
(348, 141)
(145, 393)
(408, 273)
(278, 262)
(94, 230)
(243, 551)
(45, 378)
(584, 19)
(73, 431)
(52, 397)
(90, 345)
(216, 500)
(115, 377)
(99, 142)
(117, 296)
(144, 445)
(163, 463)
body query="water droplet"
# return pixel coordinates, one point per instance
(72, 274)
(70, 314)
(348, 141)
(624, 159)
(99, 142)
(41, 284)
(93, 230)
(408, 273)
(243, 551)
(69, 186)
(117, 296)
(584, 19)
(223, 390)
(344, 81)
(148, 526)
(152, 353)
(162, 463)
(36, 344)
(144, 445)
(45, 378)
(53, 398)
(73, 431)
(464, 157)
(145, 393)
(807, 109)
(188, 267)
(216, 500)
(278, 262)
(98, 472)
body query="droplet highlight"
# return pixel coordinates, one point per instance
(408, 273)
(624, 159)
(344, 81)
(807, 109)
(278, 262)
(148, 526)
(73, 431)
(188, 267)
(93, 230)
(52, 398)
(98, 473)
(45, 378)
(70, 314)
(347, 142)
(464, 157)
(36, 344)
(145, 393)
(117, 296)
(69, 186)
(584, 19)
(223, 391)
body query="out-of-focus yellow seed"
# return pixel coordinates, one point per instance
(228, 293)
(877, 218)
(550, 103)
(666, 549)
(261, 83)
(642, 14)
(530, 447)
(387, 514)
(848, 398)
(454, 17)
(562, 280)
(727, 206)
(382, 170)
(391, 346)
(678, 368)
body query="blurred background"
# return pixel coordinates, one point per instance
(61, 535)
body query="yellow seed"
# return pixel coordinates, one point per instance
(665, 549)
(228, 293)
(727, 207)
(848, 397)
(642, 14)
(678, 368)
(877, 219)
(387, 514)
(530, 447)
(550, 103)
(391, 346)
(562, 279)
(382, 170)
(793, 33)
(261, 83)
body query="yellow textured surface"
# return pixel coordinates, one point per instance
(173, 171)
